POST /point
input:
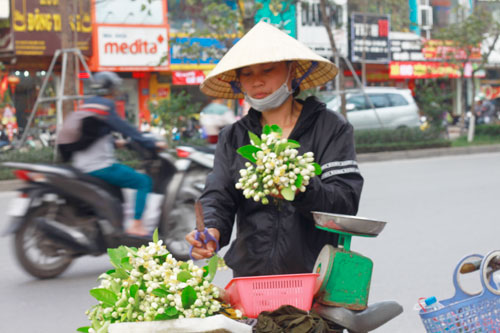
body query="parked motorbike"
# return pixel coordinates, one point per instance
(62, 213)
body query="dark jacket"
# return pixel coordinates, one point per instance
(95, 118)
(282, 239)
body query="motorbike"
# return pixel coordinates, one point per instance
(62, 214)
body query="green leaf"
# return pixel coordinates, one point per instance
(111, 271)
(120, 273)
(162, 316)
(205, 271)
(116, 255)
(283, 146)
(298, 181)
(254, 138)
(83, 329)
(155, 236)
(184, 266)
(183, 276)
(133, 290)
(296, 144)
(188, 297)
(143, 7)
(212, 267)
(277, 129)
(266, 130)
(104, 295)
(172, 311)
(288, 194)
(142, 269)
(126, 263)
(248, 151)
(160, 292)
(317, 169)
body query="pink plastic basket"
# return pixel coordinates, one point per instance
(255, 294)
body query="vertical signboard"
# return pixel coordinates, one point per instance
(37, 25)
(370, 38)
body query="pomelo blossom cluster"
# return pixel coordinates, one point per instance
(276, 167)
(150, 284)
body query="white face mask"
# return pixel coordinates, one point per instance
(273, 100)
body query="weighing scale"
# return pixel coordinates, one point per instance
(345, 275)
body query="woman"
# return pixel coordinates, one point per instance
(267, 68)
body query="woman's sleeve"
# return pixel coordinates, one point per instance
(338, 188)
(219, 199)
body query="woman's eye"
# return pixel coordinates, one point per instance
(267, 70)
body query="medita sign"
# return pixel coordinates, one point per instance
(132, 48)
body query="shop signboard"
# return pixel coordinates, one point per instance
(37, 25)
(281, 16)
(211, 50)
(428, 70)
(194, 77)
(406, 47)
(435, 49)
(370, 38)
(125, 48)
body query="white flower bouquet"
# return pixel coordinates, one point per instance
(275, 167)
(148, 284)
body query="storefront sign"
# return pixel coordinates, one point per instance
(37, 26)
(491, 92)
(370, 38)
(282, 16)
(435, 49)
(428, 70)
(211, 50)
(188, 77)
(406, 49)
(123, 48)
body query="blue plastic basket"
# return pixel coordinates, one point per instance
(464, 312)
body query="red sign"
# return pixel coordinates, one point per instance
(427, 70)
(188, 78)
(435, 49)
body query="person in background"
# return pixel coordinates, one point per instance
(214, 117)
(485, 110)
(86, 138)
(4, 138)
(269, 68)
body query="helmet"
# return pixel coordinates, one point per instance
(105, 83)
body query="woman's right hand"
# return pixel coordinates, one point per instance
(200, 249)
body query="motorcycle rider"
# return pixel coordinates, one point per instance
(86, 140)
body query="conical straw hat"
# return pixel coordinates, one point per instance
(265, 43)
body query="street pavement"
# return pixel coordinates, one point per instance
(438, 210)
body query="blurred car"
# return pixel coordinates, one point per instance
(394, 108)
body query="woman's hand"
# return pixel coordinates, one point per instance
(200, 249)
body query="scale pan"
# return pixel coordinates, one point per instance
(349, 224)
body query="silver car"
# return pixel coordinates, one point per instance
(394, 108)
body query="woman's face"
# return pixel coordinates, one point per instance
(261, 80)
